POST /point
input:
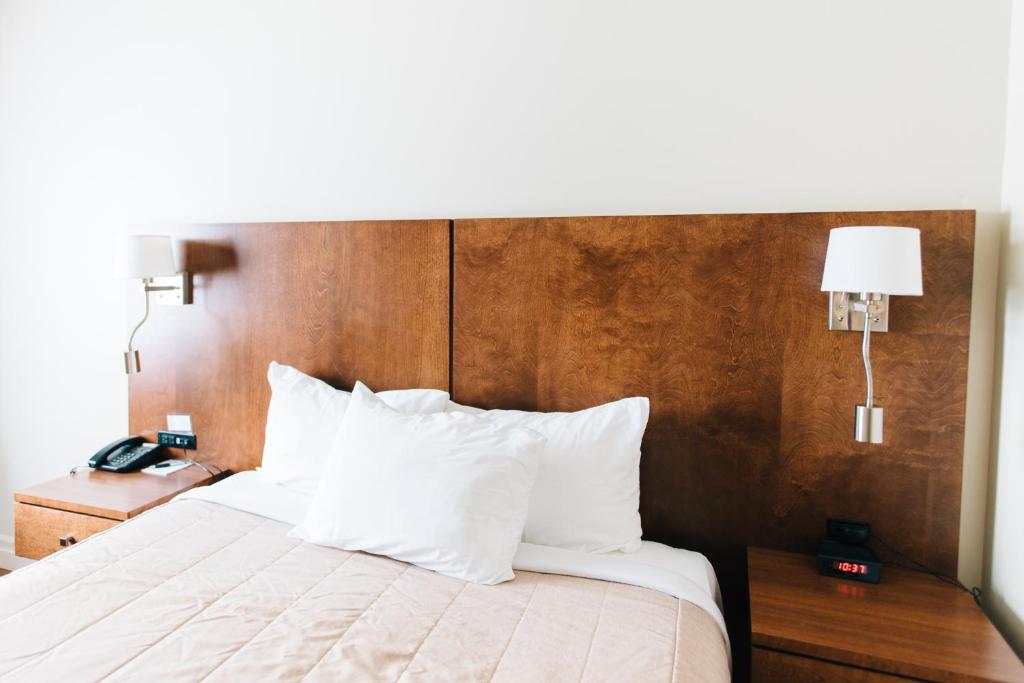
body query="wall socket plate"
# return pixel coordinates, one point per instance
(183, 440)
(843, 317)
(176, 290)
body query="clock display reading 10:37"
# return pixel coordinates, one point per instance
(849, 567)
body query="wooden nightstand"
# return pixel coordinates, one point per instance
(64, 511)
(808, 627)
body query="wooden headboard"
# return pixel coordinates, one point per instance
(720, 321)
(717, 318)
(340, 301)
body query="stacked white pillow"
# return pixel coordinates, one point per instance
(587, 495)
(452, 488)
(303, 419)
(445, 491)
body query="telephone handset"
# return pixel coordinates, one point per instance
(126, 455)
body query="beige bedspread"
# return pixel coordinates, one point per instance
(198, 591)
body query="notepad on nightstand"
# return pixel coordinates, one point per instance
(162, 469)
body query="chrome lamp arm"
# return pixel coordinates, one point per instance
(868, 427)
(168, 289)
(131, 357)
(865, 351)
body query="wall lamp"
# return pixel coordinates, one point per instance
(150, 258)
(864, 266)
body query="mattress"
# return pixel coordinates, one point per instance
(199, 590)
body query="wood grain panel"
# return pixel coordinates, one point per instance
(720, 321)
(341, 301)
(38, 530)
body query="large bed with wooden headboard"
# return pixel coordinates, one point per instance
(717, 319)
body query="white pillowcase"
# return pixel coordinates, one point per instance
(303, 418)
(446, 491)
(587, 495)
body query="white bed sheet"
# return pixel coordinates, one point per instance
(684, 574)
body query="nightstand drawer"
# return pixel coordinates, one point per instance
(770, 666)
(38, 530)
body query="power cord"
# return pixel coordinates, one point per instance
(975, 592)
(219, 471)
(205, 468)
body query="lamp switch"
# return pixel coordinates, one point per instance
(185, 440)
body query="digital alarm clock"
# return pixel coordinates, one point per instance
(854, 562)
(844, 556)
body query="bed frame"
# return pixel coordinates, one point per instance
(717, 318)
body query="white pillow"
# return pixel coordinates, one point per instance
(303, 418)
(446, 491)
(587, 495)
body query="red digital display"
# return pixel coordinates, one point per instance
(849, 567)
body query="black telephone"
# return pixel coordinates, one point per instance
(126, 455)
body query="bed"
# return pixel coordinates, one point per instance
(706, 315)
(211, 587)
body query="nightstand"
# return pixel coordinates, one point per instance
(809, 627)
(64, 511)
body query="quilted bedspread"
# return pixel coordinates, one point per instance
(195, 591)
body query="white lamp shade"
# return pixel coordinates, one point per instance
(148, 256)
(873, 258)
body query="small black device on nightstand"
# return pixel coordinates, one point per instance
(184, 440)
(843, 553)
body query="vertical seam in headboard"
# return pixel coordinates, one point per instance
(451, 308)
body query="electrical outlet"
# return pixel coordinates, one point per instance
(177, 440)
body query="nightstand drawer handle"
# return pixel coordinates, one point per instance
(66, 541)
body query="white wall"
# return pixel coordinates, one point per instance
(120, 113)
(1004, 586)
